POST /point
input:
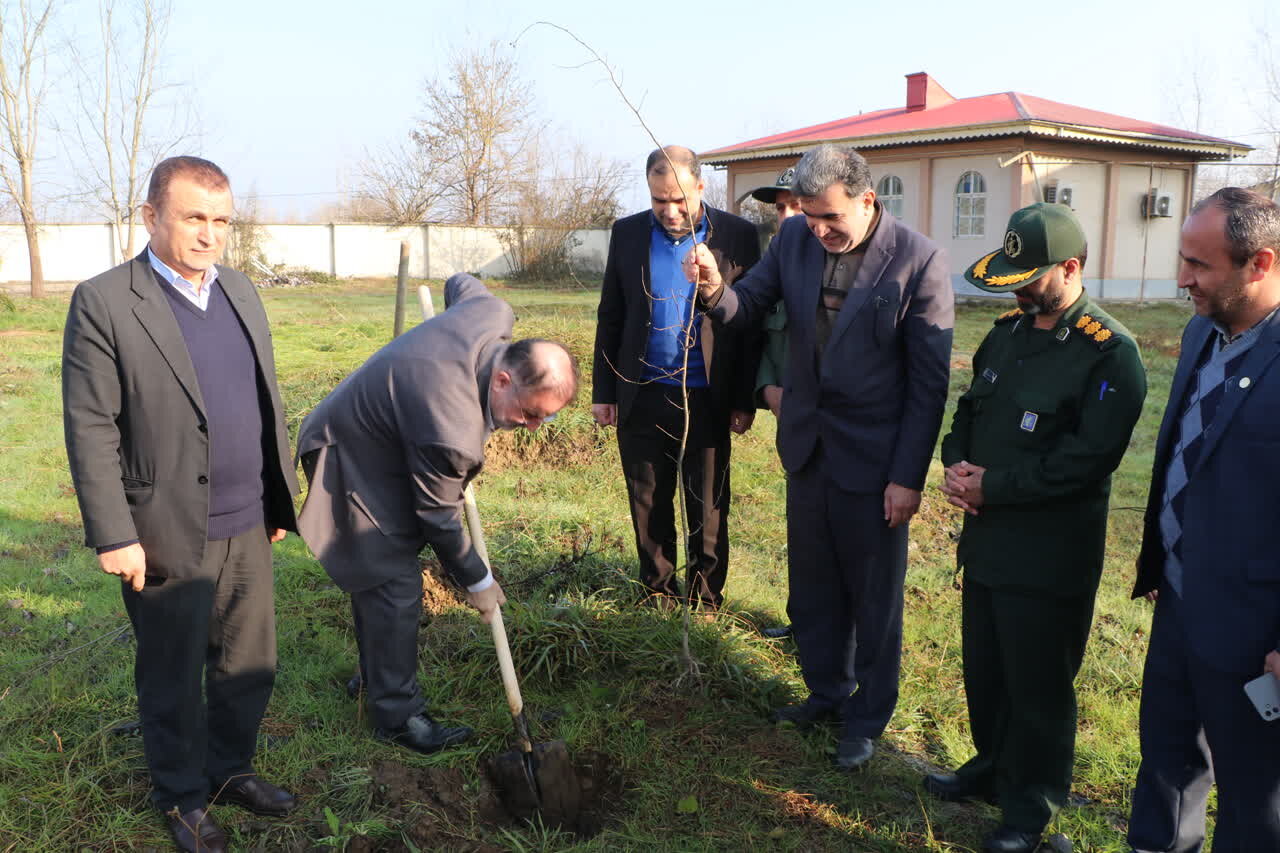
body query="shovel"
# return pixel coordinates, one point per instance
(532, 778)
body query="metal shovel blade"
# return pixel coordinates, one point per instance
(540, 781)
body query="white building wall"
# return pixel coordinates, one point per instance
(965, 250)
(909, 172)
(1146, 255)
(1088, 185)
(747, 181)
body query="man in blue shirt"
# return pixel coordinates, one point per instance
(656, 357)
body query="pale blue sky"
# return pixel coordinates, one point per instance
(291, 93)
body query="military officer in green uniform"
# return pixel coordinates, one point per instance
(1057, 388)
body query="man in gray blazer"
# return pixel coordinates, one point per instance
(870, 316)
(388, 454)
(176, 441)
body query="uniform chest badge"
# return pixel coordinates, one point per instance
(1063, 333)
(989, 375)
(1029, 421)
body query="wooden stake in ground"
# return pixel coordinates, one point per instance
(402, 280)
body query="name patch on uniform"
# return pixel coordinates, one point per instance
(1029, 421)
(989, 375)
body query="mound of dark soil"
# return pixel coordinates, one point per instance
(441, 808)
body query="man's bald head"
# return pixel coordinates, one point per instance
(539, 365)
(661, 159)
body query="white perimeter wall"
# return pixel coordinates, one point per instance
(79, 251)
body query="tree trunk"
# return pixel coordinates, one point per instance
(33, 254)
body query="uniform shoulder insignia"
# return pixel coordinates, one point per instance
(1102, 330)
(1009, 315)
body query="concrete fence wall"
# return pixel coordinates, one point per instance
(75, 252)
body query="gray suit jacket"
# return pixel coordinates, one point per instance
(390, 450)
(876, 404)
(134, 419)
(1230, 564)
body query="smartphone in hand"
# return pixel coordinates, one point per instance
(1264, 693)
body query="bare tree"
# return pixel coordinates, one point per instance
(401, 184)
(717, 192)
(1269, 106)
(119, 142)
(477, 122)
(567, 190)
(23, 85)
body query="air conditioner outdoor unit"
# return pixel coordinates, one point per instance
(1056, 193)
(1156, 204)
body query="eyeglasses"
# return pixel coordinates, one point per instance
(529, 416)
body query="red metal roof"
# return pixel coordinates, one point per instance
(986, 110)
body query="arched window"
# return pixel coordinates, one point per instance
(971, 206)
(889, 191)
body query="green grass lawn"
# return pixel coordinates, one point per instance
(682, 763)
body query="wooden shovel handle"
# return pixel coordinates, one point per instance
(505, 665)
(424, 302)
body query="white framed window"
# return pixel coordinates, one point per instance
(889, 191)
(971, 206)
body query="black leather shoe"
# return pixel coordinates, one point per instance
(424, 734)
(354, 685)
(780, 633)
(805, 715)
(196, 831)
(954, 789)
(1007, 839)
(854, 752)
(257, 795)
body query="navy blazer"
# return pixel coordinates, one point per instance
(1231, 562)
(877, 403)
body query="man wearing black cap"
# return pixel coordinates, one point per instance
(1057, 388)
(773, 357)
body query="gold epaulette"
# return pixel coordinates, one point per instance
(1094, 329)
(1009, 315)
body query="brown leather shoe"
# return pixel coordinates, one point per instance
(196, 831)
(257, 795)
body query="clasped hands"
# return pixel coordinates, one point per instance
(962, 484)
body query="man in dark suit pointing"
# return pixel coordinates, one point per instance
(870, 315)
(176, 439)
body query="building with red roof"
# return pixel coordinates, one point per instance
(956, 168)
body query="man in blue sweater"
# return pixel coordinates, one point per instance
(657, 359)
(177, 446)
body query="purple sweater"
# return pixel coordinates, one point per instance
(227, 371)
